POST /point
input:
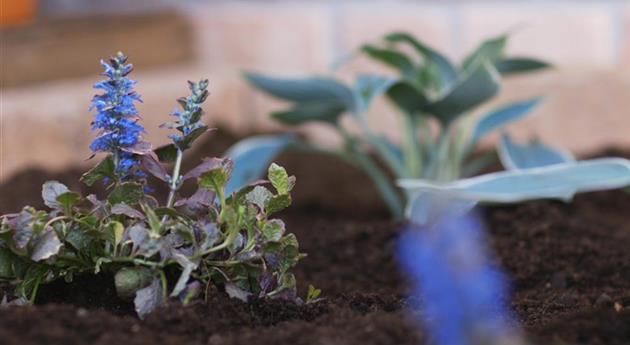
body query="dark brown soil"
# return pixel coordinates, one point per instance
(569, 265)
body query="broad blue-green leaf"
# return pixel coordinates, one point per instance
(392, 154)
(305, 90)
(368, 87)
(447, 72)
(532, 155)
(559, 181)
(391, 58)
(320, 111)
(475, 89)
(429, 206)
(252, 157)
(519, 65)
(407, 97)
(489, 51)
(502, 116)
(50, 191)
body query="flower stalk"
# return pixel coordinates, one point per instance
(175, 178)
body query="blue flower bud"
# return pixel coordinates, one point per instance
(116, 118)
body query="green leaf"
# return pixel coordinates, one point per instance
(103, 169)
(321, 111)
(446, 72)
(477, 88)
(188, 140)
(489, 51)
(390, 58)
(259, 196)
(152, 218)
(67, 201)
(306, 90)
(6, 263)
(114, 232)
(273, 230)
(166, 153)
(128, 280)
(51, 190)
(519, 65)
(407, 97)
(312, 293)
(34, 276)
(288, 281)
(129, 193)
(78, 239)
(216, 179)
(279, 178)
(278, 203)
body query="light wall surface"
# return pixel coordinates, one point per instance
(587, 93)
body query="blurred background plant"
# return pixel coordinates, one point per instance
(429, 90)
(179, 40)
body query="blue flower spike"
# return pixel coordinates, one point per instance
(188, 121)
(116, 119)
(462, 292)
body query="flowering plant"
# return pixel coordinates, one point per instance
(154, 250)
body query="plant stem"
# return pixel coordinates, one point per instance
(380, 145)
(380, 180)
(175, 178)
(116, 159)
(411, 151)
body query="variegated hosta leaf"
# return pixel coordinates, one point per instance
(559, 181)
(252, 157)
(531, 155)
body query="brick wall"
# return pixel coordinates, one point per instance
(588, 93)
